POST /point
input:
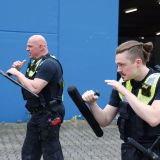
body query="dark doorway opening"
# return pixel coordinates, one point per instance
(142, 24)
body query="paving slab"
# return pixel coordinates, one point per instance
(77, 139)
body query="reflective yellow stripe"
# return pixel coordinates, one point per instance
(150, 82)
(128, 86)
(30, 73)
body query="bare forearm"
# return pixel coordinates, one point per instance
(146, 112)
(35, 85)
(25, 81)
(149, 113)
(98, 113)
(103, 116)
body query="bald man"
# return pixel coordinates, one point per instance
(44, 76)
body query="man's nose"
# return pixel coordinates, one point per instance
(119, 69)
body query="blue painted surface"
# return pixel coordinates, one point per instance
(82, 34)
(31, 16)
(19, 20)
(88, 38)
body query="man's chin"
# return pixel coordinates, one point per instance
(31, 57)
(124, 78)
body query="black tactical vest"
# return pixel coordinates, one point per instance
(45, 95)
(131, 125)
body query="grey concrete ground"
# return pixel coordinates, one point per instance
(77, 139)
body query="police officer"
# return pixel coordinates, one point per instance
(136, 97)
(44, 76)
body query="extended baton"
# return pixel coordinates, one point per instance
(17, 83)
(77, 99)
(152, 155)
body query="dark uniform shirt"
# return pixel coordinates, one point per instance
(42, 135)
(133, 126)
(49, 70)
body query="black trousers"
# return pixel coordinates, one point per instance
(129, 152)
(41, 139)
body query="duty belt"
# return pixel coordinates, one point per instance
(39, 109)
(43, 109)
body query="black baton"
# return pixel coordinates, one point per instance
(152, 155)
(77, 99)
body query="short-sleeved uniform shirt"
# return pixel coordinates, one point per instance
(50, 70)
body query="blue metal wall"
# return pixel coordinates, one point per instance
(82, 34)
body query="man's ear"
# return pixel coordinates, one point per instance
(41, 46)
(138, 61)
